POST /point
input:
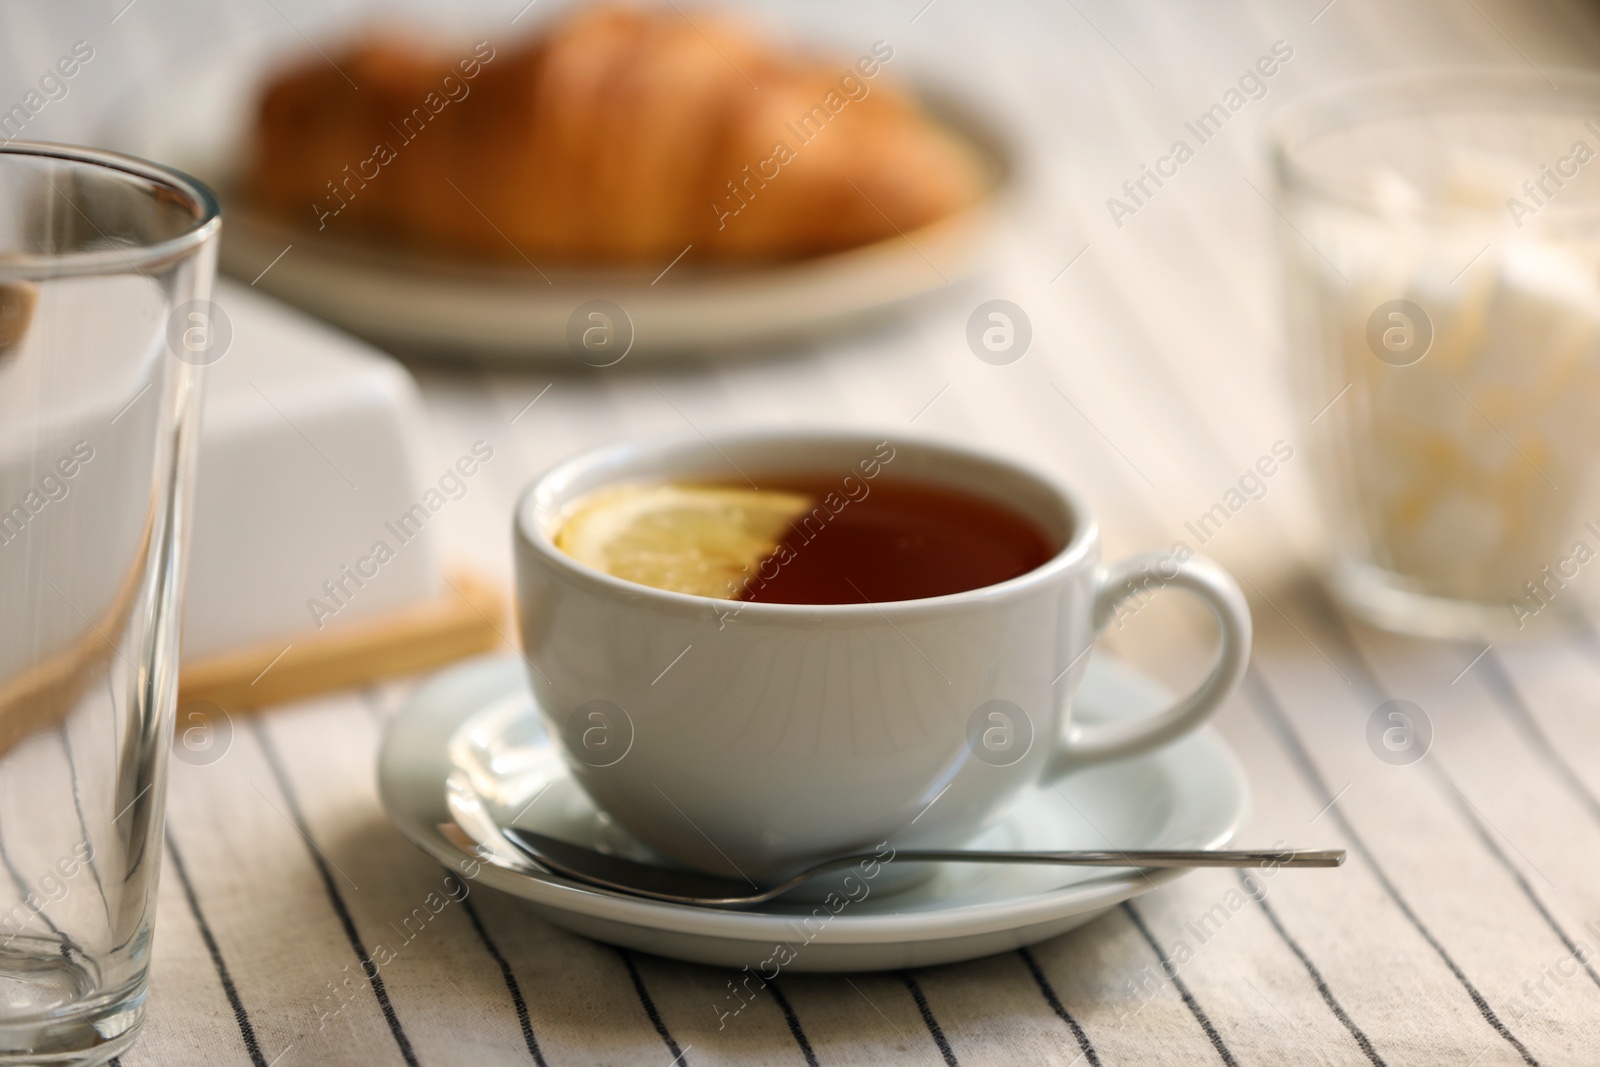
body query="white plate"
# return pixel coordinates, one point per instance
(410, 301)
(473, 731)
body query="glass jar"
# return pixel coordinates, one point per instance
(1441, 238)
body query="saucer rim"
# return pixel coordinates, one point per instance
(493, 677)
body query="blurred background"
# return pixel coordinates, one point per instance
(1155, 376)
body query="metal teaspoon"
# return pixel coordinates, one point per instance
(581, 864)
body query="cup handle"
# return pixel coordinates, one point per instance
(1094, 742)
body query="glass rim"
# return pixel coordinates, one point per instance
(1361, 100)
(198, 197)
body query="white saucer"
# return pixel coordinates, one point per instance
(469, 740)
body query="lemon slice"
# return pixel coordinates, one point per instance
(682, 538)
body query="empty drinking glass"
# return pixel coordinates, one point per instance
(105, 269)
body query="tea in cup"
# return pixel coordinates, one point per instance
(766, 648)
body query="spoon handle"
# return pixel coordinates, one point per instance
(581, 864)
(1289, 857)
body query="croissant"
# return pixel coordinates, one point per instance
(620, 136)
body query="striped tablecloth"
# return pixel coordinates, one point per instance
(1462, 928)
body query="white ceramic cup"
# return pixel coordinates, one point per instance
(749, 738)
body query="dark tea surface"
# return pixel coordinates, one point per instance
(887, 540)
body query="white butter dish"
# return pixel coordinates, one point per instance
(312, 535)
